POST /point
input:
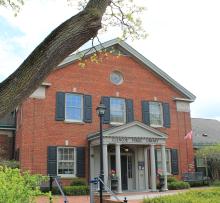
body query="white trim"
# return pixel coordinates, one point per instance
(74, 165)
(136, 55)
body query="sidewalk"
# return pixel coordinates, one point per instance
(132, 197)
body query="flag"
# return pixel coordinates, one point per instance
(188, 135)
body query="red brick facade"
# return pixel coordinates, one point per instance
(38, 128)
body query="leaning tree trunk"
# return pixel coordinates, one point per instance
(61, 42)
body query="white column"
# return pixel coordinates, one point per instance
(164, 166)
(92, 175)
(153, 168)
(146, 168)
(105, 163)
(118, 166)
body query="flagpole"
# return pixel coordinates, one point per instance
(187, 157)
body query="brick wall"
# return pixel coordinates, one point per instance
(39, 128)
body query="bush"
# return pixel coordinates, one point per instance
(76, 190)
(18, 187)
(178, 185)
(78, 182)
(9, 163)
(216, 183)
(68, 190)
(198, 183)
(171, 179)
(201, 196)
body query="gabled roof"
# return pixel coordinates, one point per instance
(205, 132)
(137, 56)
(132, 129)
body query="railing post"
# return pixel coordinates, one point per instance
(51, 183)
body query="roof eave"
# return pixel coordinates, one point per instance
(73, 57)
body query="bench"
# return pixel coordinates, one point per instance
(192, 177)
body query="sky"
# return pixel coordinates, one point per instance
(183, 40)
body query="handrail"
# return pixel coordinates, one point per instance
(108, 189)
(61, 191)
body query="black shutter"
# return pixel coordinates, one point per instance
(145, 112)
(129, 110)
(60, 106)
(166, 115)
(87, 108)
(52, 161)
(80, 159)
(106, 102)
(174, 162)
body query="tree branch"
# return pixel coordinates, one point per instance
(61, 42)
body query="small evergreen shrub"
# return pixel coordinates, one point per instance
(78, 182)
(171, 179)
(178, 185)
(76, 190)
(216, 183)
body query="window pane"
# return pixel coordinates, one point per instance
(117, 110)
(66, 160)
(73, 107)
(156, 117)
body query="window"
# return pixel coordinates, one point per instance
(116, 78)
(159, 160)
(73, 107)
(66, 164)
(117, 111)
(156, 115)
(200, 162)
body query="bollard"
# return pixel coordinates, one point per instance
(125, 200)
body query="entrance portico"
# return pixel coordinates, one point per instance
(129, 151)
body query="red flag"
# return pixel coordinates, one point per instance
(188, 135)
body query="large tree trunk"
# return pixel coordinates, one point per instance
(61, 42)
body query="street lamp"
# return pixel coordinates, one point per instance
(100, 111)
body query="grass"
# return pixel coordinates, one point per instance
(211, 195)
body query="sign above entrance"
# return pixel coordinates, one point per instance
(134, 140)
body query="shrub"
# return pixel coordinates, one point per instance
(216, 183)
(201, 196)
(9, 163)
(18, 187)
(178, 185)
(78, 182)
(171, 179)
(198, 183)
(76, 190)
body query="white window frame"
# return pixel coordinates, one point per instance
(118, 123)
(74, 120)
(74, 165)
(161, 113)
(168, 162)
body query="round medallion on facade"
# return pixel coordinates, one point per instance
(116, 77)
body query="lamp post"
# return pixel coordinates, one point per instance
(100, 111)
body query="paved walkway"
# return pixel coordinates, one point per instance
(132, 197)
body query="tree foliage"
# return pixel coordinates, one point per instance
(18, 187)
(66, 39)
(212, 155)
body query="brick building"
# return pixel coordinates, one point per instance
(146, 119)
